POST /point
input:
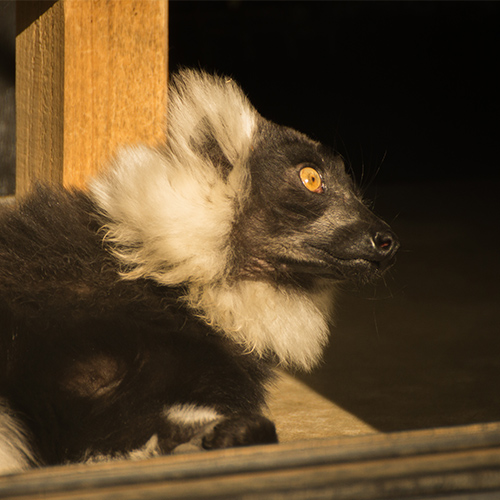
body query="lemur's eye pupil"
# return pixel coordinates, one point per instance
(311, 179)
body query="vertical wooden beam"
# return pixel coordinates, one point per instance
(91, 75)
(39, 94)
(115, 80)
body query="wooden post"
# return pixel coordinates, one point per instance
(90, 75)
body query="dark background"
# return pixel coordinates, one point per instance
(7, 97)
(408, 93)
(409, 90)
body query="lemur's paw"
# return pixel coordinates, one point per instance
(241, 431)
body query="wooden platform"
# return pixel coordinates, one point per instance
(300, 413)
(453, 463)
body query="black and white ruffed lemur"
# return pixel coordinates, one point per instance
(150, 309)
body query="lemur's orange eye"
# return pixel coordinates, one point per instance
(311, 179)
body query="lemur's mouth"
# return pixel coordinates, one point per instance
(322, 263)
(339, 269)
(355, 268)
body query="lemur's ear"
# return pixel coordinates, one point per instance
(212, 117)
(205, 142)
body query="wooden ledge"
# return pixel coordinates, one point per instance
(429, 463)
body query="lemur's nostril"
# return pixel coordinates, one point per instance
(385, 242)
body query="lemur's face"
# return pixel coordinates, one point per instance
(305, 217)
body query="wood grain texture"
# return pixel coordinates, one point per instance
(39, 96)
(90, 76)
(462, 462)
(115, 80)
(301, 413)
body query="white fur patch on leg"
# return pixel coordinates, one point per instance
(197, 420)
(16, 454)
(149, 450)
(190, 414)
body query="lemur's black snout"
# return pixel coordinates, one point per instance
(361, 250)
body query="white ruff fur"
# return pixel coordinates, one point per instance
(294, 325)
(15, 452)
(169, 223)
(172, 213)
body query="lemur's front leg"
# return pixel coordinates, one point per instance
(203, 428)
(222, 404)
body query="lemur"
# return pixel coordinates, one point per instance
(152, 308)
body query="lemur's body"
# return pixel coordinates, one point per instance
(151, 309)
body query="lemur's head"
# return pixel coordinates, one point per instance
(306, 218)
(233, 195)
(256, 222)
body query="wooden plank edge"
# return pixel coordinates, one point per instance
(472, 452)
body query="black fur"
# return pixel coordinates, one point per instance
(86, 360)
